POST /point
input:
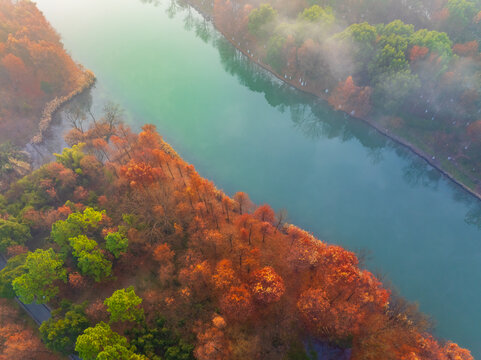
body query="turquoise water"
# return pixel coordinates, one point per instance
(247, 131)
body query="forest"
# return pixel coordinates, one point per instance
(34, 70)
(139, 257)
(142, 258)
(412, 69)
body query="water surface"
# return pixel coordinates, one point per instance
(247, 131)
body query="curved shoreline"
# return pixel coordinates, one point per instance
(385, 132)
(54, 105)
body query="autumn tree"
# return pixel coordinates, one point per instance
(211, 341)
(224, 276)
(267, 286)
(351, 98)
(237, 303)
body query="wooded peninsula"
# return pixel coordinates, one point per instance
(139, 257)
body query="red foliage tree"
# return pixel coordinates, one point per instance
(350, 98)
(470, 48)
(237, 303)
(267, 286)
(418, 53)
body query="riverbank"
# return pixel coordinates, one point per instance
(305, 87)
(53, 106)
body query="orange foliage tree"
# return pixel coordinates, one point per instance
(351, 98)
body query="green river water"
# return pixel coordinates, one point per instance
(246, 131)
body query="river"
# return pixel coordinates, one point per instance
(246, 131)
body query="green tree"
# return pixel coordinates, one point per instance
(118, 352)
(42, 269)
(392, 90)
(13, 233)
(160, 342)
(60, 332)
(260, 19)
(397, 28)
(12, 270)
(94, 264)
(317, 14)
(360, 39)
(98, 339)
(71, 157)
(275, 56)
(81, 244)
(461, 11)
(435, 41)
(116, 243)
(76, 224)
(124, 305)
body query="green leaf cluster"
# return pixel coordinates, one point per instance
(42, 269)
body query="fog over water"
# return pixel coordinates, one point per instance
(248, 132)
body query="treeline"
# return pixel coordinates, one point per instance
(411, 68)
(144, 259)
(34, 69)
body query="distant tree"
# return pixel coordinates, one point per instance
(350, 98)
(359, 41)
(317, 14)
(243, 200)
(393, 89)
(461, 12)
(470, 48)
(265, 213)
(438, 42)
(124, 305)
(43, 269)
(260, 19)
(113, 116)
(309, 59)
(276, 56)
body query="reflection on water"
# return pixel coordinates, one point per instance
(313, 117)
(309, 114)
